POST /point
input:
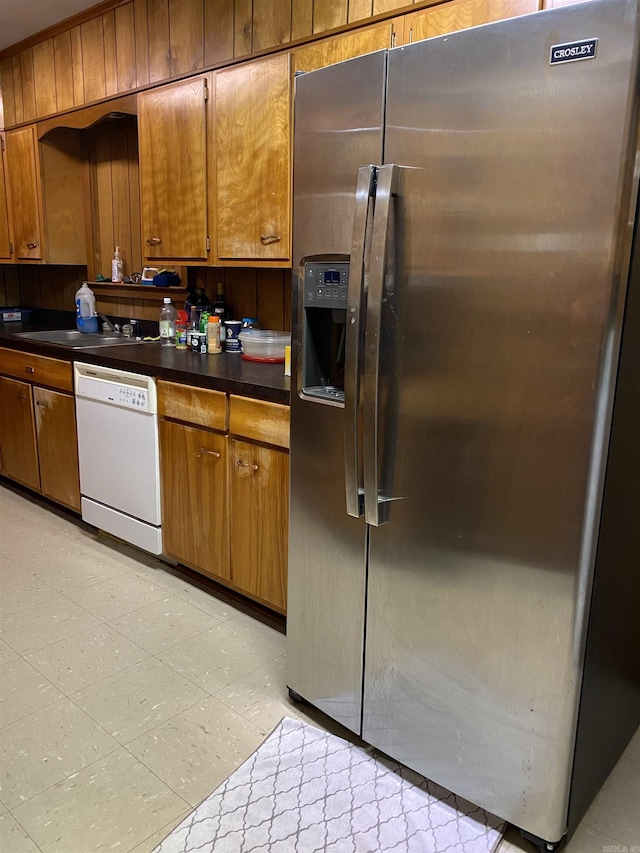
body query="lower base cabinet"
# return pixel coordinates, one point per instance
(194, 464)
(224, 467)
(259, 482)
(38, 445)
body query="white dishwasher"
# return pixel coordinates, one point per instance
(117, 418)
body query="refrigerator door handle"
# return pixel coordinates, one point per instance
(365, 191)
(376, 506)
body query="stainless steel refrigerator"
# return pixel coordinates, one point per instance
(464, 559)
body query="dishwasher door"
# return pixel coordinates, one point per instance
(118, 454)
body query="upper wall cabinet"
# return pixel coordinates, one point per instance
(253, 162)
(46, 181)
(173, 128)
(461, 14)
(328, 51)
(6, 248)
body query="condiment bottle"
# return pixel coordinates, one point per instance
(213, 335)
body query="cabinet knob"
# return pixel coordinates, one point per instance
(242, 464)
(31, 245)
(29, 369)
(154, 241)
(205, 452)
(267, 239)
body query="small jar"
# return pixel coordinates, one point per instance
(181, 335)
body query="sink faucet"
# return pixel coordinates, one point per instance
(107, 322)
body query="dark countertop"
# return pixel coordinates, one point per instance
(227, 372)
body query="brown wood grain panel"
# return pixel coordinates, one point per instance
(159, 44)
(381, 6)
(23, 170)
(5, 233)
(45, 78)
(110, 62)
(123, 234)
(328, 14)
(461, 14)
(8, 96)
(194, 468)
(271, 287)
(77, 66)
(28, 85)
(134, 201)
(259, 420)
(17, 88)
(271, 23)
(57, 446)
(102, 207)
(359, 9)
(18, 433)
(338, 48)
(125, 47)
(243, 27)
(142, 41)
(301, 19)
(252, 159)
(94, 61)
(199, 406)
(64, 70)
(555, 4)
(259, 484)
(63, 156)
(218, 31)
(186, 35)
(40, 369)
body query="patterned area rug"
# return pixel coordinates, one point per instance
(307, 791)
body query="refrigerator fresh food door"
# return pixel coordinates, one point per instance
(502, 313)
(338, 121)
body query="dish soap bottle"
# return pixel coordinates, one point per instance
(168, 316)
(116, 265)
(86, 317)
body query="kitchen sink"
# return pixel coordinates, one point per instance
(77, 340)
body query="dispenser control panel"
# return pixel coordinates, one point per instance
(326, 285)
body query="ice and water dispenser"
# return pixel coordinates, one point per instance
(326, 284)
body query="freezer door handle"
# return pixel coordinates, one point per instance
(365, 190)
(376, 506)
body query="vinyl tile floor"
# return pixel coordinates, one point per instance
(128, 693)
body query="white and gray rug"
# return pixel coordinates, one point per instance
(307, 791)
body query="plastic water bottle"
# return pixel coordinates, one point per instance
(86, 317)
(168, 316)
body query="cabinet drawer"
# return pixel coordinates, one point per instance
(193, 405)
(37, 369)
(260, 421)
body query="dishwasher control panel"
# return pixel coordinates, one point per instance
(118, 388)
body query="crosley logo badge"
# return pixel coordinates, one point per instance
(573, 51)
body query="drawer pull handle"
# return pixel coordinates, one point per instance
(42, 403)
(154, 241)
(22, 397)
(205, 452)
(29, 369)
(241, 464)
(267, 239)
(31, 245)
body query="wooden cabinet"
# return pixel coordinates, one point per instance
(328, 51)
(253, 163)
(55, 417)
(173, 136)
(461, 14)
(38, 441)
(224, 471)
(46, 181)
(6, 247)
(259, 514)
(18, 433)
(194, 473)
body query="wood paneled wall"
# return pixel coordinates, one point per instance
(142, 42)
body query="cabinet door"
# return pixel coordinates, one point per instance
(18, 432)
(5, 234)
(318, 54)
(461, 14)
(24, 192)
(57, 446)
(172, 137)
(195, 516)
(253, 160)
(259, 521)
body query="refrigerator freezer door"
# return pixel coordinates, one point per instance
(505, 306)
(338, 120)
